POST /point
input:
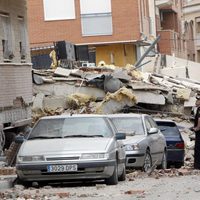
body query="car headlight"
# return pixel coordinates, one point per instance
(131, 147)
(94, 156)
(30, 158)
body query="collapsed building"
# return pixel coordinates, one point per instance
(110, 89)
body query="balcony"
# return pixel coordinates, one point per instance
(163, 3)
(168, 5)
(170, 43)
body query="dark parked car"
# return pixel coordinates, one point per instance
(175, 142)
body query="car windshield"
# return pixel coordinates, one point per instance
(168, 128)
(129, 125)
(71, 127)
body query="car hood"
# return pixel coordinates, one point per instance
(133, 139)
(64, 145)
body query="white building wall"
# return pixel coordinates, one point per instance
(177, 67)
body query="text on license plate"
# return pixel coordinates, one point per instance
(62, 168)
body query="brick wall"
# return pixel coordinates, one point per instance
(15, 81)
(170, 21)
(165, 44)
(125, 17)
(171, 41)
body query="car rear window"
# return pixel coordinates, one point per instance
(131, 125)
(168, 128)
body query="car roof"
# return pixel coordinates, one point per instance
(72, 116)
(126, 115)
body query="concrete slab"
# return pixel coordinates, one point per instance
(55, 102)
(38, 102)
(6, 181)
(149, 97)
(62, 72)
(64, 89)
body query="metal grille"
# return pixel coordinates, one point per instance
(62, 158)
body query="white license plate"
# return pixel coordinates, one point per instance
(62, 168)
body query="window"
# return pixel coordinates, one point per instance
(129, 125)
(23, 37)
(198, 24)
(59, 9)
(7, 37)
(96, 17)
(148, 124)
(63, 127)
(152, 122)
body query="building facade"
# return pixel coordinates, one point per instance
(169, 24)
(191, 12)
(112, 31)
(15, 62)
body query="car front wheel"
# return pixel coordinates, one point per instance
(179, 164)
(147, 162)
(113, 180)
(164, 161)
(123, 175)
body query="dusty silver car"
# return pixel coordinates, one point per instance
(79, 147)
(145, 145)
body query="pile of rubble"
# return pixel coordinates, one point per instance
(109, 89)
(159, 173)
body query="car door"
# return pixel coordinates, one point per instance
(118, 143)
(153, 141)
(160, 140)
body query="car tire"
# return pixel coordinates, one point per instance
(122, 177)
(179, 164)
(18, 181)
(147, 162)
(113, 180)
(164, 161)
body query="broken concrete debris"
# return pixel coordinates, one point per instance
(115, 102)
(77, 100)
(106, 89)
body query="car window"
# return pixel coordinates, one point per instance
(128, 125)
(152, 122)
(147, 123)
(50, 128)
(168, 128)
(62, 127)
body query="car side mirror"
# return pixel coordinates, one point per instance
(153, 131)
(120, 136)
(19, 139)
